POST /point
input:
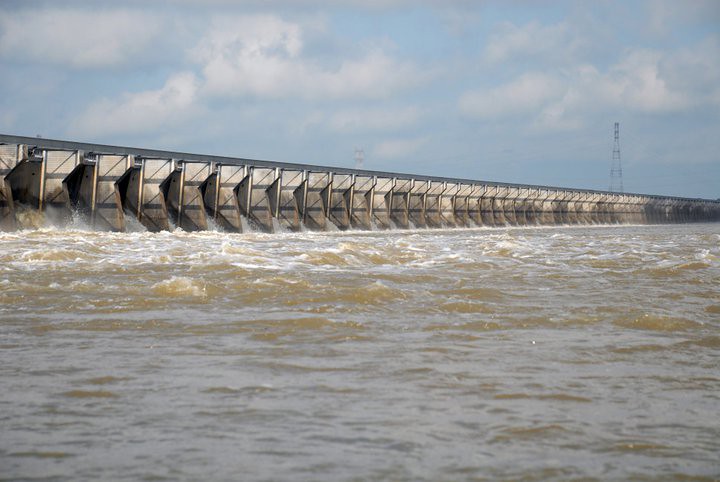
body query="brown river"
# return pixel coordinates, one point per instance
(513, 353)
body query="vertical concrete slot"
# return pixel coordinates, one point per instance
(183, 195)
(361, 206)
(254, 197)
(447, 205)
(10, 156)
(220, 196)
(398, 203)
(416, 204)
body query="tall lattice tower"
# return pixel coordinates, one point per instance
(359, 157)
(616, 182)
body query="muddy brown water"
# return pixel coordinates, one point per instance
(518, 353)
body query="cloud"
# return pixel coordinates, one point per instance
(531, 39)
(142, 111)
(377, 119)
(398, 148)
(524, 95)
(262, 56)
(641, 81)
(76, 38)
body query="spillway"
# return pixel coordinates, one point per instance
(113, 186)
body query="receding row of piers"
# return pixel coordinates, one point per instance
(109, 188)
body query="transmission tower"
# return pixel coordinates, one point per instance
(616, 182)
(359, 157)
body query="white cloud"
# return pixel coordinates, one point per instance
(142, 111)
(262, 56)
(528, 40)
(398, 148)
(663, 16)
(523, 95)
(76, 38)
(642, 81)
(378, 119)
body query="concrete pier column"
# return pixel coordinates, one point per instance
(141, 194)
(361, 205)
(573, 216)
(626, 209)
(520, 206)
(183, 194)
(675, 211)
(559, 208)
(545, 202)
(608, 209)
(433, 204)
(378, 201)
(531, 206)
(220, 196)
(667, 211)
(509, 206)
(447, 205)
(253, 197)
(398, 201)
(461, 205)
(315, 203)
(38, 183)
(592, 207)
(93, 193)
(651, 210)
(498, 205)
(486, 205)
(10, 156)
(339, 196)
(417, 204)
(53, 198)
(473, 204)
(285, 196)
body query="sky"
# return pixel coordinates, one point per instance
(511, 91)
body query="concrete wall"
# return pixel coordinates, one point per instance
(417, 204)
(105, 188)
(92, 191)
(220, 196)
(184, 197)
(361, 202)
(285, 196)
(314, 202)
(399, 203)
(253, 197)
(142, 195)
(10, 156)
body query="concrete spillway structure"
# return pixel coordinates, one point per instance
(108, 185)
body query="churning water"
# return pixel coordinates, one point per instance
(537, 353)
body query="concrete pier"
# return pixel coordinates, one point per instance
(141, 192)
(447, 205)
(361, 202)
(379, 200)
(183, 196)
(220, 196)
(399, 202)
(10, 156)
(108, 185)
(253, 195)
(433, 195)
(314, 203)
(285, 196)
(92, 191)
(417, 204)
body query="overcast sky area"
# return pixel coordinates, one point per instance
(515, 91)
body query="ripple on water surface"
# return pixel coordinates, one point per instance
(520, 353)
